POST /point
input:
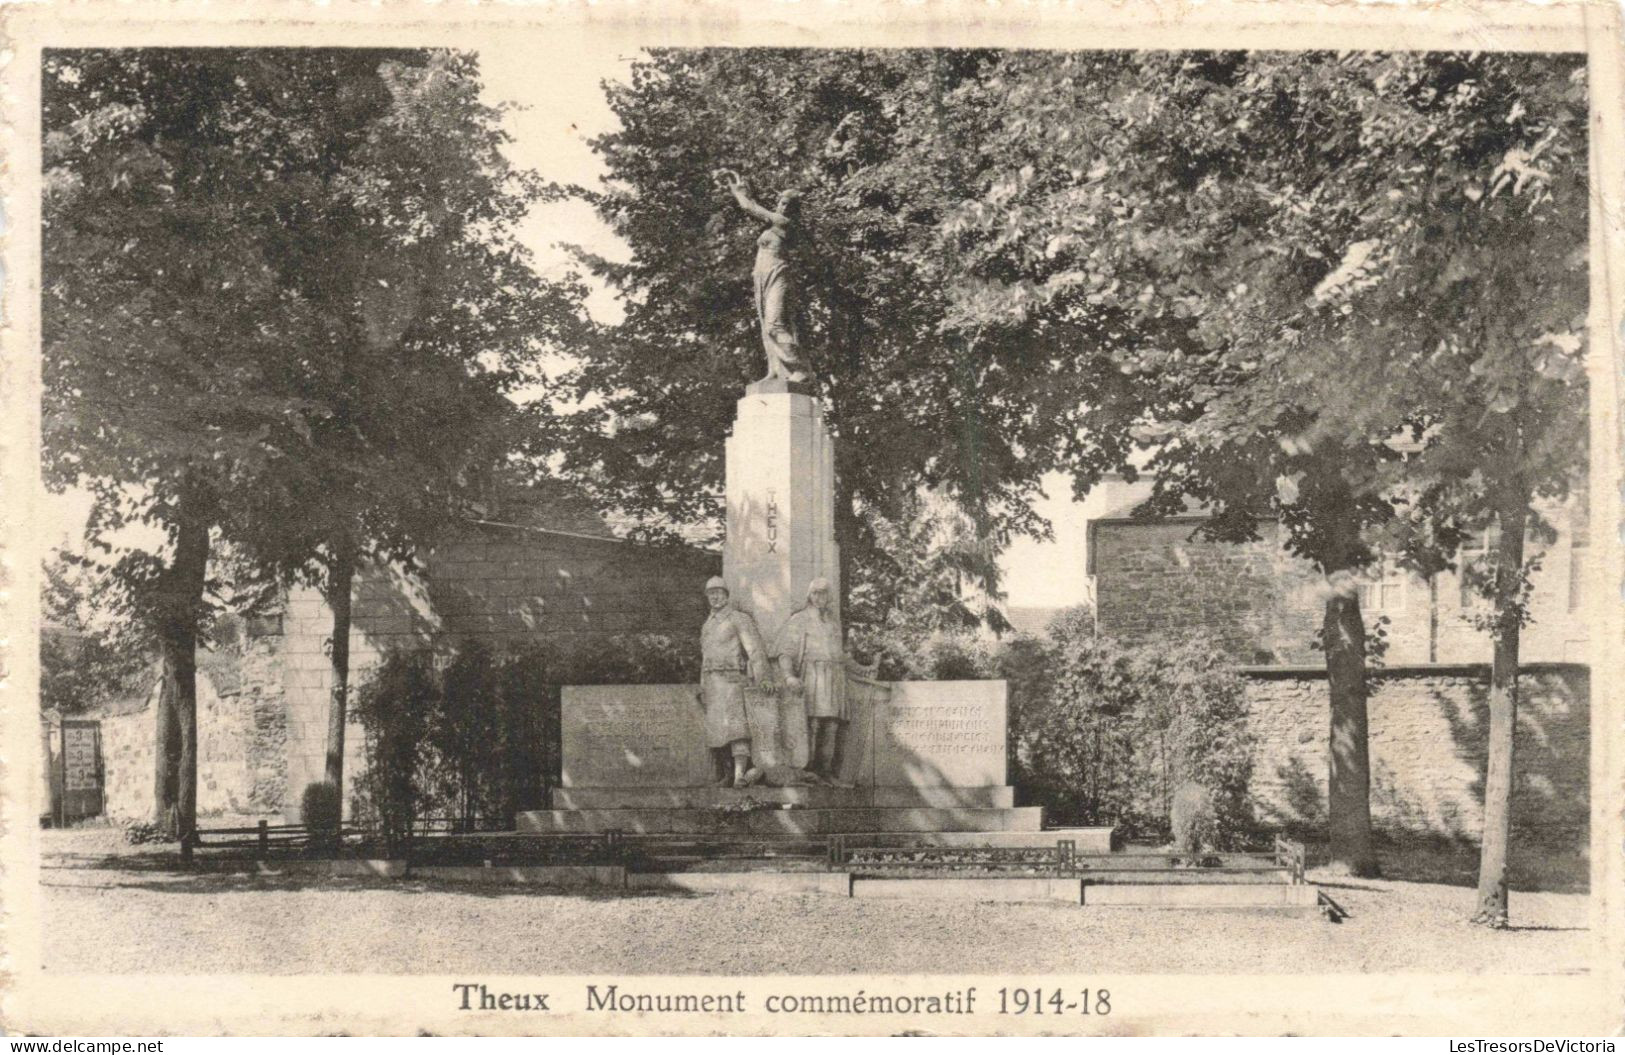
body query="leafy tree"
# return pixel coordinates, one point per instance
(1271, 248)
(977, 418)
(1503, 427)
(429, 318)
(1108, 734)
(86, 656)
(159, 313)
(280, 306)
(926, 580)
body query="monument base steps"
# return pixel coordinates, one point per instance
(1087, 840)
(783, 821)
(815, 797)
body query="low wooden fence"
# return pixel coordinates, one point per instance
(430, 842)
(1292, 857)
(265, 838)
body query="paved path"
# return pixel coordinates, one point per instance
(114, 916)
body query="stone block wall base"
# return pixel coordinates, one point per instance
(811, 797)
(781, 821)
(837, 883)
(1302, 896)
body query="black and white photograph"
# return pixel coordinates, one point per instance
(557, 524)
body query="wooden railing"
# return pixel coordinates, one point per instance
(265, 840)
(1292, 857)
(1060, 859)
(262, 838)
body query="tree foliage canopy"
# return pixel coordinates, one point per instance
(283, 307)
(881, 159)
(1297, 258)
(286, 276)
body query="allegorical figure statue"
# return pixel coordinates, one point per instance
(813, 663)
(779, 288)
(730, 651)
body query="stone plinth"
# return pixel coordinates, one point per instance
(780, 516)
(922, 757)
(915, 734)
(805, 797)
(782, 822)
(633, 736)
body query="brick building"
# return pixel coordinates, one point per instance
(1428, 708)
(1265, 605)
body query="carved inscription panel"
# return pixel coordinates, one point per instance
(942, 732)
(923, 733)
(633, 736)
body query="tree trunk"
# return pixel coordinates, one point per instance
(1348, 781)
(846, 541)
(340, 579)
(1508, 619)
(180, 599)
(167, 740)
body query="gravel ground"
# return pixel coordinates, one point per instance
(121, 914)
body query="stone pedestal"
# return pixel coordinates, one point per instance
(781, 515)
(920, 756)
(925, 759)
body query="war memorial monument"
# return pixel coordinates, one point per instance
(786, 731)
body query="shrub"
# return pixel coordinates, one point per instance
(1105, 734)
(1192, 818)
(138, 832)
(944, 655)
(473, 735)
(393, 707)
(320, 808)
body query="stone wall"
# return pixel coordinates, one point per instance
(1428, 730)
(242, 741)
(1254, 599)
(507, 585)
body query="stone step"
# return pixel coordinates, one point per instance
(1204, 877)
(887, 796)
(740, 863)
(610, 876)
(837, 883)
(786, 821)
(1301, 898)
(1086, 840)
(972, 888)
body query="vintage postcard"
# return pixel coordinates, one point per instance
(694, 518)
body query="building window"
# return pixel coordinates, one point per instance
(1579, 558)
(1383, 589)
(1469, 565)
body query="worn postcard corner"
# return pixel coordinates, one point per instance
(795, 519)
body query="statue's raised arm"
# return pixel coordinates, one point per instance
(734, 184)
(779, 291)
